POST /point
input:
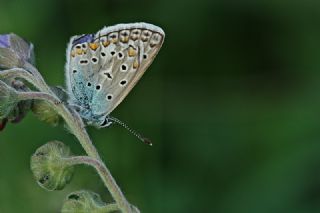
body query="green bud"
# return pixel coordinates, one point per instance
(44, 112)
(15, 51)
(23, 107)
(84, 202)
(8, 100)
(50, 167)
(11, 109)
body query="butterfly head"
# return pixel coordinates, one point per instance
(98, 121)
(106, 122)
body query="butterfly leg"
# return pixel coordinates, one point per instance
(58, 102)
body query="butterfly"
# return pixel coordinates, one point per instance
(102, 68)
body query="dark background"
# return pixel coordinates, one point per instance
(231, 103)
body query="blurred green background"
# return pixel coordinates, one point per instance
(231, 103)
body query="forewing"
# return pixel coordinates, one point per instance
(126, 51)
(117, 57)
(80, 71)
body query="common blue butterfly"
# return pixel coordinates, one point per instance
(102, 68)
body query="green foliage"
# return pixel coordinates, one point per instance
(43, 112)
(233, 94)
(49, 166)
(15, 51)
(8, 100)
(83, 201)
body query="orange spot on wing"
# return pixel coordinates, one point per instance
(135, 64)
(79, 51)
(132, 52)
(93, 46)
(106, 43)
(124, 39)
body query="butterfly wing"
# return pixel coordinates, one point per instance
(109, 64)
(79, 71)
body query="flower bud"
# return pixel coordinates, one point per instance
(8, 100)
(50, 167)
(83, 201)
(11, 109)
(15, 51)
(23, 107)
(44, 112)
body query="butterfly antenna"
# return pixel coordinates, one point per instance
(143, 139)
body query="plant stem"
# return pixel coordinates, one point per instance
(18, 73)
(38, 96)
(111, 207)
(103, 172)
(40, 81)
(77, 127)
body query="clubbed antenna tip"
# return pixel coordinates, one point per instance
(147, 141)
(143, 139)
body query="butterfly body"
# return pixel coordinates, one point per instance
(102, 68)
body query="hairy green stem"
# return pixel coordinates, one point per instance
(102, 171)
(111, 208)
(19, 73)
(38, 96)
(77, 127)
(40, 81)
